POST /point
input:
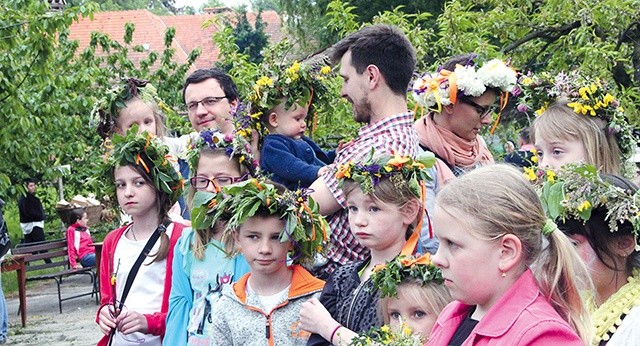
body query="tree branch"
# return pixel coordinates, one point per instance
(22, 81)
(550, 34)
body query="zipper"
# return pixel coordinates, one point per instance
(353, 301)
(268, 328)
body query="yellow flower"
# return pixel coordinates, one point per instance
(534, 158)
(295, 68)
(385, 328)
(551, 176)
(343, 171)
(265, 81)
(325, 70)
(530, 174)
(607, 99)
(584, 206)
(398, 161)
(526, 81)
(406, 330)
(541, 110)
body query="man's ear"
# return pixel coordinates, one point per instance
(625, 245)
(233, 105)
(273, 119)
(510, 252)
(375, 77)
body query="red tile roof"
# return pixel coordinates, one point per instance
(150, 28)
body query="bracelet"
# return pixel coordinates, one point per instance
(334, 333)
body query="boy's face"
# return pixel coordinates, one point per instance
(31, 188)
(259, 240)
(289, 123)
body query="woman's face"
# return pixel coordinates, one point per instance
(466, 119)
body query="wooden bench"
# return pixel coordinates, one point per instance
(55, 251)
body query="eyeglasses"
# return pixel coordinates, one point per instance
(201, 183)
(207, 102)
(482, 110)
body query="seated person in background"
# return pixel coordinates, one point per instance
(524, 156)
(79, 241)
(287, 155)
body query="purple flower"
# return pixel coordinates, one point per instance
(516, 91)
(522, 108)
(228, 137)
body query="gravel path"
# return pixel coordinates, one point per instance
(46, 326)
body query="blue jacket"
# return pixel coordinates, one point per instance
(293, 163)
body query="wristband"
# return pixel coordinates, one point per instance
(334, 333)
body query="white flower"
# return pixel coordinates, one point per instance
(497, 74)
(468, 82)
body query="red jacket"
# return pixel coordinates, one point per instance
(155, 321)
(74, 231)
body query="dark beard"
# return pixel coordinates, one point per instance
(362, 111)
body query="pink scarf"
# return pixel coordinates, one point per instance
(454, 150)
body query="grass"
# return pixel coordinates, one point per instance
(10, 280)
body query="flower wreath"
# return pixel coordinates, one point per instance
(149, 152)
(301, 84)
(586, 96)
(304, 226)
(233, 145)
(434, 90)
(575, 190)
(399, 169)
(386, 277)
(105, 110)
(387, 335)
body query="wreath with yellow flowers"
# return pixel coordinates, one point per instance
(399, 169)
(233, 145)
(387, 335)
(304, 226)
(575, 191)
(298, 83)
(586, 96)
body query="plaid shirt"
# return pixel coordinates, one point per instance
(392, 133)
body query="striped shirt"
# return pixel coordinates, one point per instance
(393, 133)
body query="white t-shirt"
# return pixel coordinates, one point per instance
(146, 293)
(267, 303)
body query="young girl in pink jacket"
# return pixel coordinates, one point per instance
(512, 273)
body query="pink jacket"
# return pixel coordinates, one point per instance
(85, 241)
(522, 316)
(156, 322)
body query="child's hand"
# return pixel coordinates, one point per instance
(77, 266)
(132, 321)
(315, 318)
(106, 321)
(322, 171)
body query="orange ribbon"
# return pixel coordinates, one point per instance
(140, 161)
(410, 247)
(424, 259)
(504, 99)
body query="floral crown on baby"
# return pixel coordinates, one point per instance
(304, 226)
(398, 169)
(586, 96)
(148, 152)
(105, 110)
(233, 145)
(442, 88)
(386, 277)
(300, 84)
(575, 191)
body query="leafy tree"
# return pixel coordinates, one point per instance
(265, 5)
(211, 3)
(160, 7)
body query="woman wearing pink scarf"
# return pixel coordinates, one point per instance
(461, 100)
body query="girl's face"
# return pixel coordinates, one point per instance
(83, 220)
(557, 153)
(377, 225)
(135, 195)
(259, 239)
(219, 168)
(469, 265)
(138, 113)
(601, 275)
(404, 310)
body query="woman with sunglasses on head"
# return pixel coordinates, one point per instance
(204, 260)
(460, 100)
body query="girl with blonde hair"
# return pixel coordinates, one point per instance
(513, 275)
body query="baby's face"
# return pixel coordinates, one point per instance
(292, 122)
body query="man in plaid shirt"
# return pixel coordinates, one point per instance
(376, 65)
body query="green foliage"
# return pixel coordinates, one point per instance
(250, 41)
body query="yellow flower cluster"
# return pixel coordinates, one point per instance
(584, 206)
(587, 93)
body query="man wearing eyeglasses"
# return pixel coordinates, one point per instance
(210, 96)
